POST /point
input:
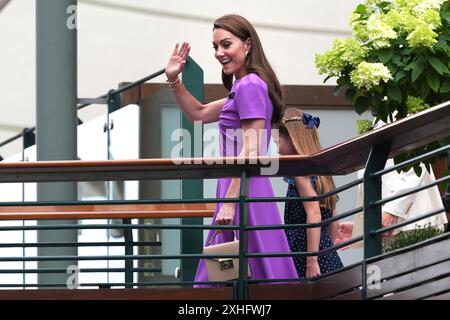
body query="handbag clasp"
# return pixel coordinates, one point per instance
(225, 264)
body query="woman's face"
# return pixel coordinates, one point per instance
(285, 146)
(230, 52)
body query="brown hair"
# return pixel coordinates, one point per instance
(256, 61)
(306, 141)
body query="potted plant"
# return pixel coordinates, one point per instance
(396, 63)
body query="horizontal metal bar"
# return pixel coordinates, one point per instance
(84, 102)
(119, 226)
(77, 244)
(276, 280)
(178, 227)
(178, 201)
(302, 254)
(122, 284)
(180, 256)
(127, 87)
(85, 270)
(116, 202)
(318, 198)
(404, 194)
(139, 82)
(119, 257)
(406, 222)
(90, 101)
(17, 136)
(84, 105)
(307, 225)
(411, 161)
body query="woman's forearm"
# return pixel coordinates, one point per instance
(313, 234)
(190, 106)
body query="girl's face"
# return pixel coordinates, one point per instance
(230, 52)
(285, 146)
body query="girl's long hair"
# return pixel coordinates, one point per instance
(306, 141)
(256, 61)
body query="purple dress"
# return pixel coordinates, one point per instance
(249, 99)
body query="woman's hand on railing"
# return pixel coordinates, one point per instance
(177, 61)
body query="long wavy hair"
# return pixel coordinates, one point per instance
(256, 61)
(306, 141)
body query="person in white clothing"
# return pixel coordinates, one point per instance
(404, 208)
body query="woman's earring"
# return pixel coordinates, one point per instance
(246, 54)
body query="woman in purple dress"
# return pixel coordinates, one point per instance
(254, 103)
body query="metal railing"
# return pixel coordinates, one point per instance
(386, 142)
(372, 243)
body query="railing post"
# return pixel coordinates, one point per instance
(28, 140)
(372, 214)
(242, 291)
(192, 240)
(128, 237)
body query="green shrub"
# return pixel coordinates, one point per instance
(410, 237)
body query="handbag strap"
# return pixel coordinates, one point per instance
(210, 242)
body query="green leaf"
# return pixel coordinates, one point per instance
(445, 87)
(438, 65)
(424, 89)
(407, 51)
(385, 55)
(395, 93)
(349, 94)
(441, 45)
(446, 15)
(361, 9)
(399, 75)
(417, 70)
(361, 104)
(433, 80)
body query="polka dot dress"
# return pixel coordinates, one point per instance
(294, 213)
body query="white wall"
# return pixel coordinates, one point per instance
(126, 40)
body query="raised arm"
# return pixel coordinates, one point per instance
(194, 110)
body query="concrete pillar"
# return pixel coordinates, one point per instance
(56, 101)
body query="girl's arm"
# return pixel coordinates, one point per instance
(250, 148)
(312, 208)
(333, 228)
(194, 110)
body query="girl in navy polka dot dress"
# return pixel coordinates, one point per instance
(298, 136)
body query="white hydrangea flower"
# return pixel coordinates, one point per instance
(368, 75)
(379, 32)
(425, 5)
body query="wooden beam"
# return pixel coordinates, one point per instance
(305, 96)
(120, 294)
(137, 211)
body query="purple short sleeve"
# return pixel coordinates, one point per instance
(252, 98)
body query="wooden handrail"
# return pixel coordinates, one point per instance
(136, 211)
(343, 158)
(120, 294)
